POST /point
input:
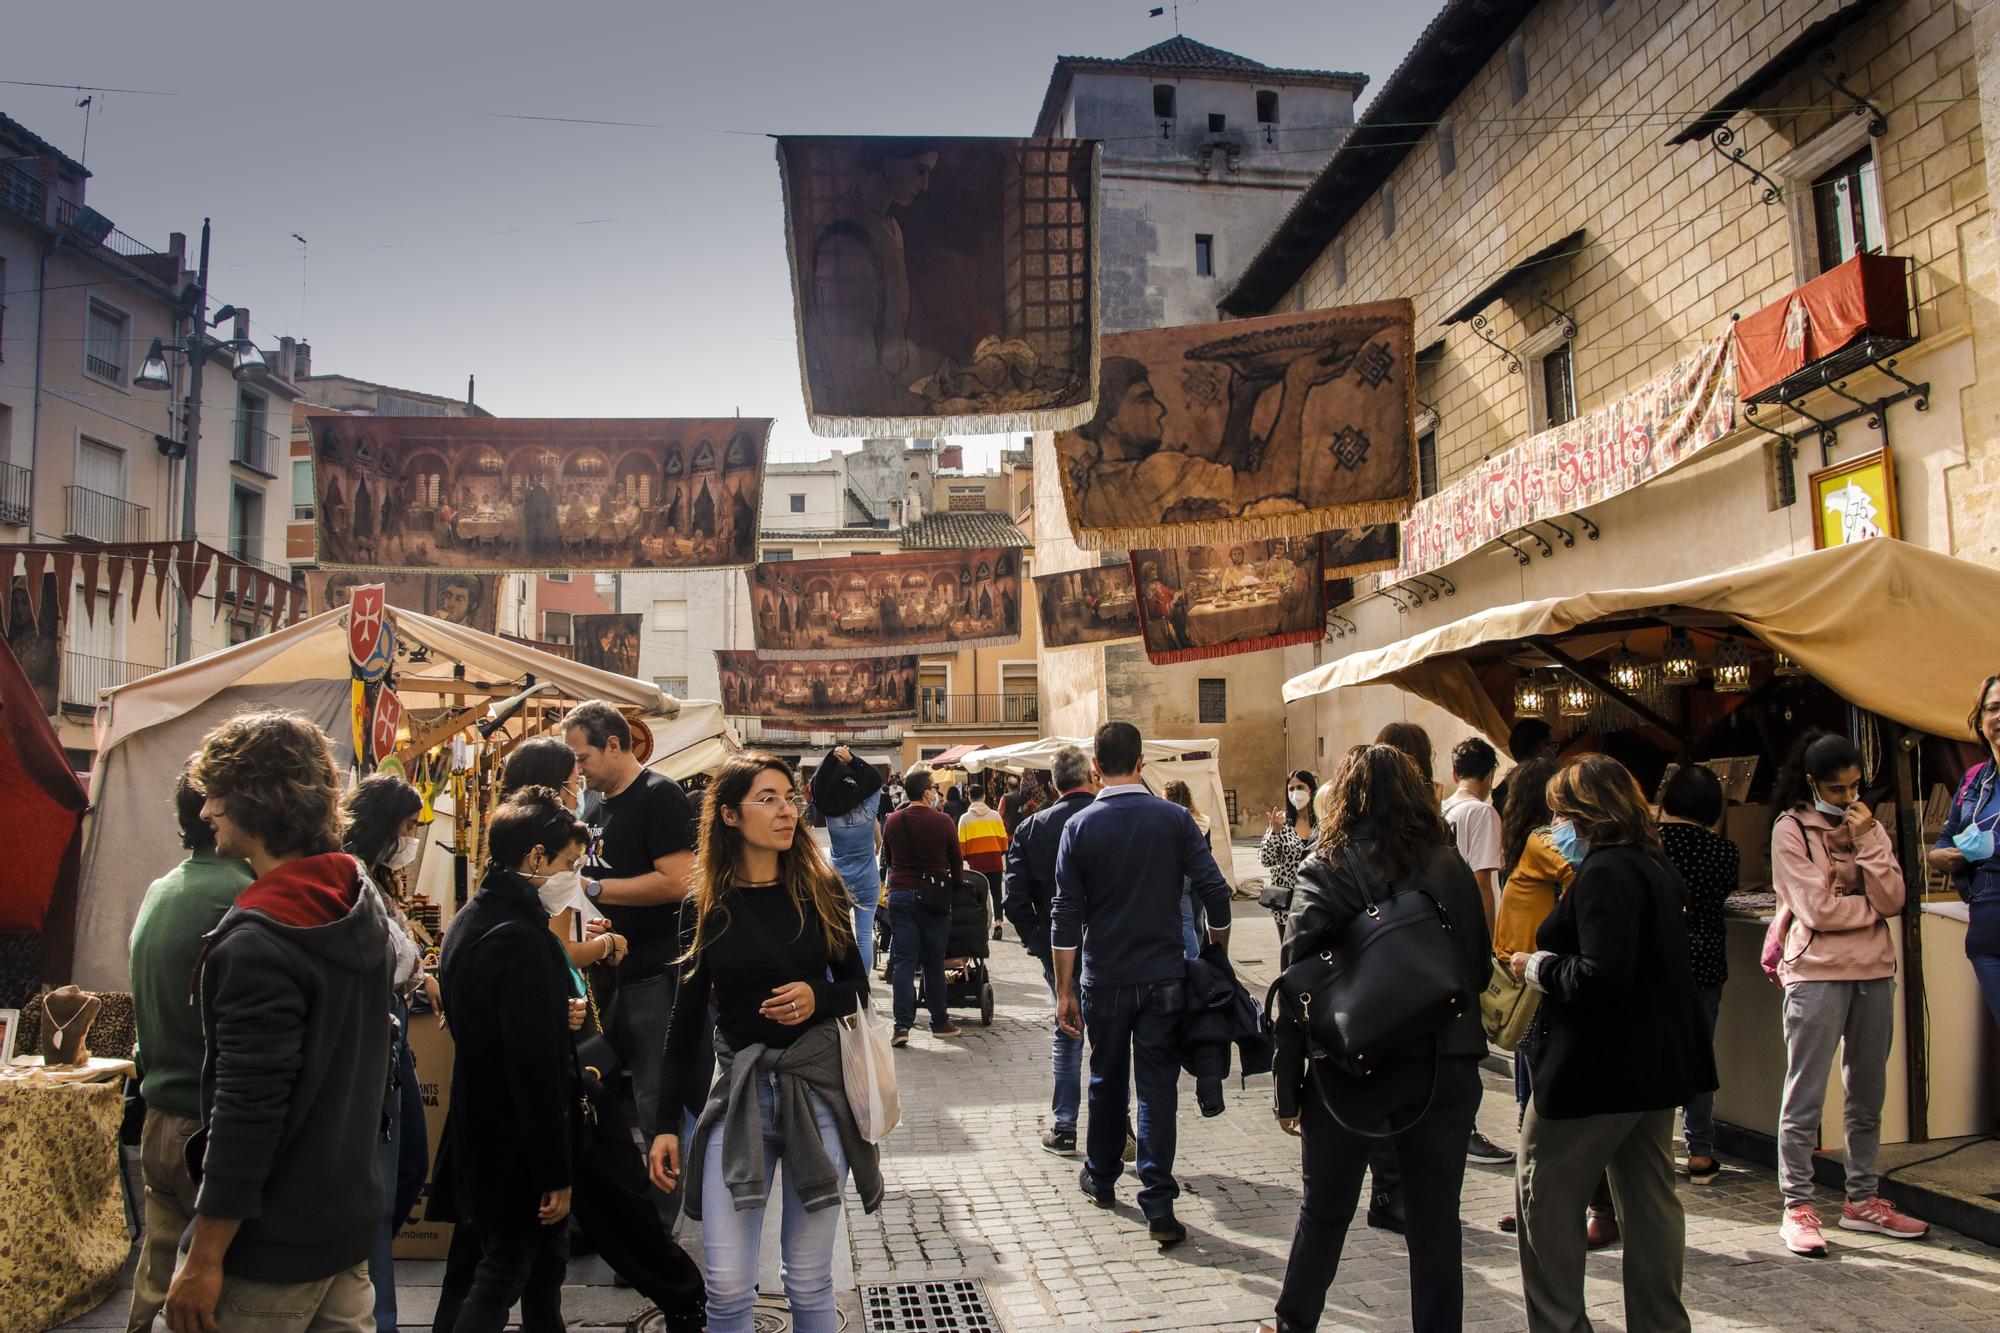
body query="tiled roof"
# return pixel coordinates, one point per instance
(35, 143)
(961, 531)
(1184, 55)
(857, 533)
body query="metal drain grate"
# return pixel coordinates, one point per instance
(957, 1306)
(769, 1315)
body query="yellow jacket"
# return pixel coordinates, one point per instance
(1539, 879)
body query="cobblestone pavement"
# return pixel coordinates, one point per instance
(971, 1193)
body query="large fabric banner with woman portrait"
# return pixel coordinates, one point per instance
(1239, 597)
(821, 695)
(1086, 606)
(905, 602)
(609, 642)
(1350, 551)
(1275, 427)
(462, 598)
(943, 285)
(444, 493)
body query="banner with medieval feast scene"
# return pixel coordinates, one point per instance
(461, 597)
(1201, 602)
(821, 695)
(424, 493)
(1087, 606)
(1275, 427)
(943, 285)
(904, 601)
(609, 642)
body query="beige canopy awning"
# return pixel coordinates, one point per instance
(1901, 630)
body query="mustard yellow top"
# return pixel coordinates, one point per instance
(1541, 877)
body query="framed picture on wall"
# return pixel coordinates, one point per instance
(1854, 501)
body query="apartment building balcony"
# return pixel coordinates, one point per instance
(95, 517)
(23, 194)
(985, 711)
(16, 490)
(255, 449)
(85, 678)
(114, 240)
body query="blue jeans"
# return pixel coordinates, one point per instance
(389, 1151)
(1133, 1032)
(1698, 1116)
(729, 1236)
(918, 938)
(1986, 967)
(851, 838)
(1190, 936)
(1066, 1058)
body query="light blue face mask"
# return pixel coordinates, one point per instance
(1975, 842)
(1834, 812)
(1563, 834)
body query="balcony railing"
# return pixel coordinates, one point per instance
(86, 677)
(16, 486)
(22, 193)
(95, 517)
(938, 709)
(115, 240)
(255, 448)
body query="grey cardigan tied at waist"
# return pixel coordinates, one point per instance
(809, 1065)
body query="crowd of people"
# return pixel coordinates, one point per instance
(708, 954)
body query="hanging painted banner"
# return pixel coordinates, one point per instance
(463, 598)
(1867, 295)
(1359, 550)
(425, 494)
(818, 695)
(1094, 605)
(608, 642)
(1671, 418)
(36, 640)
(943, 285)
(388, 720)
(905, 602)
(1273, 427)
(1339, 592)
(1238, 597)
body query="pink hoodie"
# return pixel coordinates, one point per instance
(1838, 890)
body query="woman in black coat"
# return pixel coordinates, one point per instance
(1619, 1042)
(1378, 810)
(515, 1085)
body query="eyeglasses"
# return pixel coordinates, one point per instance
(797, 803)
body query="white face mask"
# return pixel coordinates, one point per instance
(559, 890)
(405, 853)
(1299, 798)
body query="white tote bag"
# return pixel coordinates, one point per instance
(868, 1066)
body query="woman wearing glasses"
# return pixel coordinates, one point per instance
(774, 950)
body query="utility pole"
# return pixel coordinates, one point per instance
(197, 352)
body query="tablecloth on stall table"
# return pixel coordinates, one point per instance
(62, 1215)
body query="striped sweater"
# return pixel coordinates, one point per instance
(983, 839)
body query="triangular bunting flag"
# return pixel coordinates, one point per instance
(65, 566)
(36, 562)
(225, 584)
(90, 562)
(115, 579)
(163, 560)
(195, 572)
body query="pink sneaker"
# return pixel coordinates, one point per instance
(1878, 1216)
(1801, 1233)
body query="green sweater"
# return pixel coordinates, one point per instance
(180, 908)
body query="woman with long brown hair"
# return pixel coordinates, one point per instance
(1618, 1044)
(1379, 818)
(773, 948)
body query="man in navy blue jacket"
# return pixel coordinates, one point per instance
(1031, 891)
(1119, 872)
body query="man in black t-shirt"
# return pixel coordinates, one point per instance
(637, 874)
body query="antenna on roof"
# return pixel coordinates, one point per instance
(83, 158)
(1159, 11)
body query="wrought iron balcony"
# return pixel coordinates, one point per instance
(256, 449)
(85, 678)
(94, 517)
(16, 490)
(22, 193)
(935, 708)
(116, 241)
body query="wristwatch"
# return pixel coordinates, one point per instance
(592, 889)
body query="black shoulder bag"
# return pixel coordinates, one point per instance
(1392, 978)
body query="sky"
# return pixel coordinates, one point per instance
(591, 270)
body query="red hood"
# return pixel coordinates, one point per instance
(311, 891)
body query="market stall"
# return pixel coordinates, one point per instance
(453, 681)
(1195, 762)
(1881, 640)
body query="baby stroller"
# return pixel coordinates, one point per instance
(967, 983)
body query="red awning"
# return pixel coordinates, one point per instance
(952, 756)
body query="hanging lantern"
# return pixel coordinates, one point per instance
(1677, 660)
(1732, 668)
(1574, 697)
(1626, 671)
(1784, 664)
(1528, 700)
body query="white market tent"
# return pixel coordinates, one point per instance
(147, 729)
(1194, 762)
